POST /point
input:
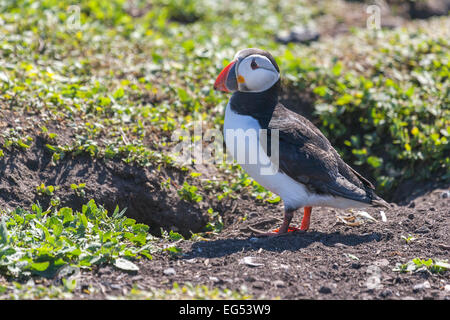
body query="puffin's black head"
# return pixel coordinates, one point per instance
(252, 70)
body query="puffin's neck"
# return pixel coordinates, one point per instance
(259, 105)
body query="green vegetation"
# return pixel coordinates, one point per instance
(123, 76)
(42, 189)
(32, 291)
(393, 117)
(41, 242)
(189, 193)
(188, 292)
(418, 264)
(78, 189)
(408, 239)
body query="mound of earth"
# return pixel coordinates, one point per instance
(109, 183)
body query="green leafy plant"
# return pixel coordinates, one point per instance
(42, 189)
(79, 189)
(408, 239)
(418, 264)
(190, 292)
(189, 193)
(14, 138)
(41, 242)
(215, 225)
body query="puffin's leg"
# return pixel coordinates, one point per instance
(306, 218)
(288, 215)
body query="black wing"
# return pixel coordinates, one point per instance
(307, 156)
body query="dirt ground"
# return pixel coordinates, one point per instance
(342, 256)
(332, 260)
(109, 183)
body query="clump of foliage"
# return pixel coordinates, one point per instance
(124, 75)
(189, 192)
(188, 291)
(385, 105)
(418, 264)
(114, 79)
(42, 189)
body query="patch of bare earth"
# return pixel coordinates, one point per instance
(108, 182)
(332, 260)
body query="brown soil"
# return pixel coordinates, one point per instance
(109, 183)
(330, 261)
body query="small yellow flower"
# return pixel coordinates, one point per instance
(407, 147)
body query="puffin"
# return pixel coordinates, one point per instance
(282, 150)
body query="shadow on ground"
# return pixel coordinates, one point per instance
(290, 242)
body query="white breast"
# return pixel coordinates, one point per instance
(242, 138)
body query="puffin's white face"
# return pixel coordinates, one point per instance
(256, 73)
(251, 70)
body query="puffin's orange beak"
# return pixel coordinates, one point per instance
(226, 81)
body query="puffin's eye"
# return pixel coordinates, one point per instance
(254, 65)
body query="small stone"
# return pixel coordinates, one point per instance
(298, 34)
(115, 286)
(279, 284)
(105, 270)
(422, 229)
(325, 290)
(421, 286)
(356, 265)
(258, 285)
(169, 272)
(137, 278)
(412, 204)
(193, 260)
(447, 288)
(410, 216)
(250, 261)
(382, 263)
(386, 293)
(214, 279)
